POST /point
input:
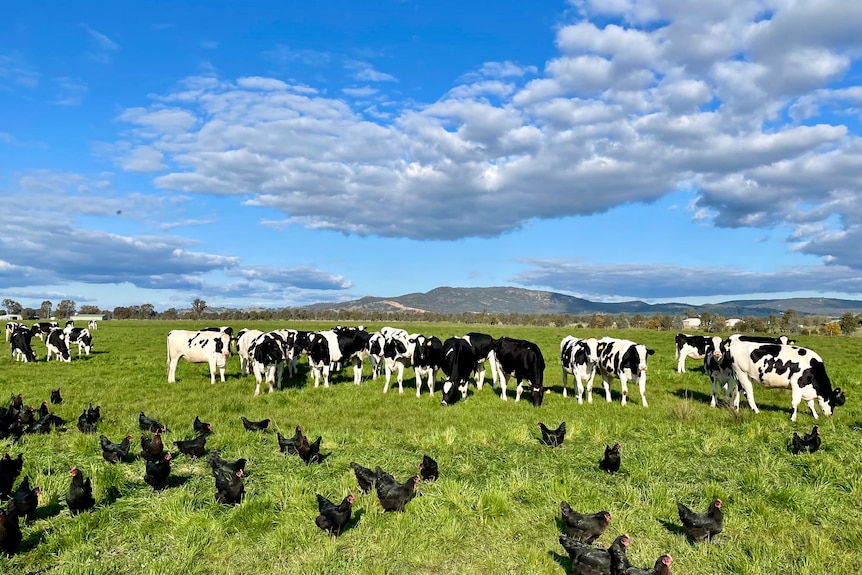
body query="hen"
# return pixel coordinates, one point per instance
(808, 443)
(202, 427)
(364, 476)
(94, 413)
(620, 564)
(149, 424)
(428, 469)
(584, 527)
(85, 424)
(115, 452)
(333, 518)
(151, 449)
(290, 445)
(217, 463)
(55, 396)
(254, 425)
(79, 497)
(394, 496)
(310, 452)
(700, 526)
(25, 500)
(192, 447)
(10, 469)
(10, 532)
(611, 461)
(157, 471)
(553, 438)
(587, 560)
(229, 486)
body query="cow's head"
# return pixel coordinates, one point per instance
(537, 394)
(452, 392)
(828, 404)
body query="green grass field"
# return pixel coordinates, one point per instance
(495, 508)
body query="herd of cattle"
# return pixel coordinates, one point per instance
(732, 364)
(57, 341)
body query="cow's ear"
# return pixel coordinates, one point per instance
(650, 351)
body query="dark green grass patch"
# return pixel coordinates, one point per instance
(495, 508)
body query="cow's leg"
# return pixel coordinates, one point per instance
(388, 372)
(680, 366)
(357, 371)
(642, 388)
(315, 373)
(748, 389)
(811, 407)
(400, 377)
(503, 380)
(519, 389)
(607, 385)
(579, 383)
(172, 369)
(326, 370)
(480, 374)
(492, 359)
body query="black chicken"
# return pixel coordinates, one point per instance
(611, 461)
(700, 526)
(10, 532)
(229, 486)
(808, 443)
(85, 425)
(333, 518)
(10, 469)
(149, 424)
(587, 560)
(310, 452)
(383, 477)
(254, 425)
(201, 427)
(216, 462)
(157, 471)
(290, 445)
(584, 527)
(25, 500)
(553, 438)
(620, 564)
(79, 497)
(115, 452)
(94, 413)
(55, 396)
(41, 425)
(364, 476)
(394, 496)
(151, 448)
(43, 410)
(192, 447)
(428, 469)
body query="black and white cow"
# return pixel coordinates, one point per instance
(397, 355)
(224, 329)
(334, 346)
(459, 362)
(20, 340)
(718, 365)
(578, 358)
(301, 343)
(244, 340)
(11, 327)
(483, 348)
(55, 341)
(81, 337)
(783, 366)
(522, 360)
(427, 359)
(267, 353)
(624, 360)
(42, 328)
(693, 346)
(198, 347)
(376, 341)
(92, 324)
(781, 339)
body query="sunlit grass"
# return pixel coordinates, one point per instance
(495, 507)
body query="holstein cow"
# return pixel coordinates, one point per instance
(397, 355)
(427, 359)
(334, 346)
(244, 340)
(92, 324)
(719, 367)
(198, 347)
(11, 327)
(483, 348)
(522, 360)
(784, 366)
(81, 337)
(376, 341)
(693, 346)
(781, 339)
(41, 328)
(55, 341)
(578, 358)
(267, 359)
(624, 360)
(301, 343)
(459, 361)
(20, 340)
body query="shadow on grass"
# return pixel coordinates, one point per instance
(31, 541)
(176, 480)
(699, 396)
(354, 521)
(52, 509)
(563, 561)
(676, 529)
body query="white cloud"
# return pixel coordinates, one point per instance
(101, 47)
(365, 72)
(70, 92)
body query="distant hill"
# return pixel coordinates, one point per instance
(505, 300)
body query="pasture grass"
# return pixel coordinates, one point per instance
(495, 508)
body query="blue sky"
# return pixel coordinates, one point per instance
(283, 153)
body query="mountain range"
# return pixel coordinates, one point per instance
(507, 300)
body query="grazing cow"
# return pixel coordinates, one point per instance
(11, 327)
(578, 358)
(483, 348)
(244, 340)
(198, 347)
(522, 360)
(427, 359)
(57, 346)
(718, 366)
(92, 324)
(784, 366)
(459, 361)
(693, 346)
(43, 327)
(21, 348)
(624, 360)
(81, 337)
(334, 346)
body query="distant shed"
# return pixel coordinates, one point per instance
(87, 317)
(691, 323)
